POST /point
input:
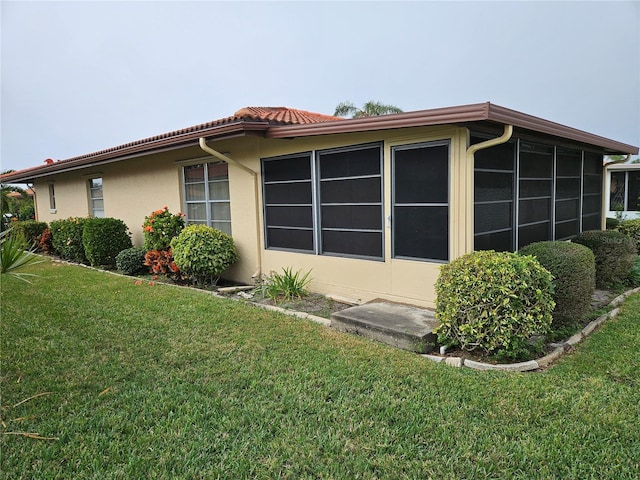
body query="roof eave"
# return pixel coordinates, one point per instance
(131, 151)
(460, 115)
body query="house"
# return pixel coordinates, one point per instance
(622, 182)
(373, 206)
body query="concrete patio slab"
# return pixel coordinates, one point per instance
(402, 326)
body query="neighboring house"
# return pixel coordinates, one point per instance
(373, 206)
(623, 190)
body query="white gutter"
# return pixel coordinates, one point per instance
(225, 158)
(504, 138)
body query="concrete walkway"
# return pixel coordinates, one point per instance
(401, 326)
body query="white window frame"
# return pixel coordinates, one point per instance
(93, 197)
(208, 200)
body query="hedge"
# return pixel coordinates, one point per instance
(615, 254)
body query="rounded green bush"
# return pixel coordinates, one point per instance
(67, 238)
(30, 230)
(203, 253)
(573, 268)
(103, 239)
(615, 255)
(631, 228)
(131, 260)
(494, 302)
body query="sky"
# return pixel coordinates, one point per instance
(82, 76)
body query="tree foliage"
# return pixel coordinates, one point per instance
(369, 109)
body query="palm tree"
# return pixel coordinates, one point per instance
(369, 109)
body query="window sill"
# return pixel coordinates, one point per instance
(53, 210)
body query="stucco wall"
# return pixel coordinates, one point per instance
(134, 188)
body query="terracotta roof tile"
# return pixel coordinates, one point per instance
(283, 115)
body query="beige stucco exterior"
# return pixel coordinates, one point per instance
(135, 187)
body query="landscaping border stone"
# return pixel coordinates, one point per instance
(559, 349)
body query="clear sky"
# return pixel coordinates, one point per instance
(78, 77)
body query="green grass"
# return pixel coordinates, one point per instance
(161, 382)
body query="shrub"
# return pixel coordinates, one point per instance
(286, 286)
(615, 254)
(30, 230)
(160, 228)
(612, 223)
(631, 228)
(574, 277)
(131, 260)
(203, 253)
(67, 238)
(160, 262)
(634, 275)
(494, 302)
(103, 239)
(45, 242)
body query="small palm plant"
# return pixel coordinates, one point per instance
(15, 254)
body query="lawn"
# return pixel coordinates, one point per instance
(142, 381)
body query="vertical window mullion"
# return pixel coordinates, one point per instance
(315, 203)
(516, 209)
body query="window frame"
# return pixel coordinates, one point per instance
(316, 182)
(265, 205)
(52, 198)
(208, 200)
(93, 198)
(558, 149)
(427, 205)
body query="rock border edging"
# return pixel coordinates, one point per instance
(558, 348)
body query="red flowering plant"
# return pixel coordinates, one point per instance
(160, 228)
(160, 262)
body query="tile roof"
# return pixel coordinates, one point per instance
(283, 115)
(283, 122)
(246, 119)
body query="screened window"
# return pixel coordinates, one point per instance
(526, 192)
(206, 193)
(494, 192)
(592, 192)
(535, 187)
(568, 186)
(96, 199)
(633, 197)
(327, 202)
(421, 201)
(625, 191)
(350, 199)
(288, 202)
(52, 197)
(617, 196)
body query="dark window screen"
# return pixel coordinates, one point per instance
(368, 244)
(420, 173)
(286, 169)
(499, 157)
(351, 201)
(423, 232)
(288, 199)
(567, 188)
(492, 186)
(568, 163)
(290, 239)
(498, 241)
(634, 192)
(617, 194)
(567, 210)
(493, 216)
(533, 233)
(493, 196)
(421, 196)
(592, 188)
(566, 230)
